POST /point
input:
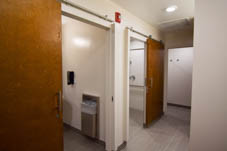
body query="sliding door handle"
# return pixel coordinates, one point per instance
(149, 82)
(59, 104)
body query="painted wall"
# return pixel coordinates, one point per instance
(175, 39)
(83, 51)
(136, 44)
(180, 61)
(179, 38)
(137, 67)
(106, 7)
(209, 86)
(136, 98)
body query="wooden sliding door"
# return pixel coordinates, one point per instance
(30, 75)
(154, 82)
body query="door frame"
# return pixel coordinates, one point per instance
(109, 86)
(129, 35)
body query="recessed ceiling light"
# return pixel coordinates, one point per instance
(171, 8)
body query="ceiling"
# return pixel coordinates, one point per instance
(153, 11)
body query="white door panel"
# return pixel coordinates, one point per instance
(180, 63)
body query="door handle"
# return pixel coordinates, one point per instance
(59, 104)
(149, 82)
(132, 77)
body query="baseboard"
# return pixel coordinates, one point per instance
(74, 129)
(81, 133)
(177, 105)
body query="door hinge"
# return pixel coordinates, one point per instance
(112, 99)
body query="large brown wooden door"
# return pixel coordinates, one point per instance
(30, 75)
(154, 82)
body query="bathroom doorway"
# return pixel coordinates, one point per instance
(86, 74)
(137, 90)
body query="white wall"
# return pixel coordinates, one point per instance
(180, 61)
(209, 86)
(136, 98)
(109, 8)
(137, 67)
(179, 38)
(175, 39)
(136, 44)
(84, 50)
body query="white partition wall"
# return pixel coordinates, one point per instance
(180, 61)
(209, 86)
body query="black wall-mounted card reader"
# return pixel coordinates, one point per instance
(70, 77)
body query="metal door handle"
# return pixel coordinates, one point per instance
(59, 105)
(150, 84)
(132, 77)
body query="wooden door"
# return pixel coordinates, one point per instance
(30, 75)
(154, 80)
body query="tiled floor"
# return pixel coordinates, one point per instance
(170, 133)
(73, 141)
